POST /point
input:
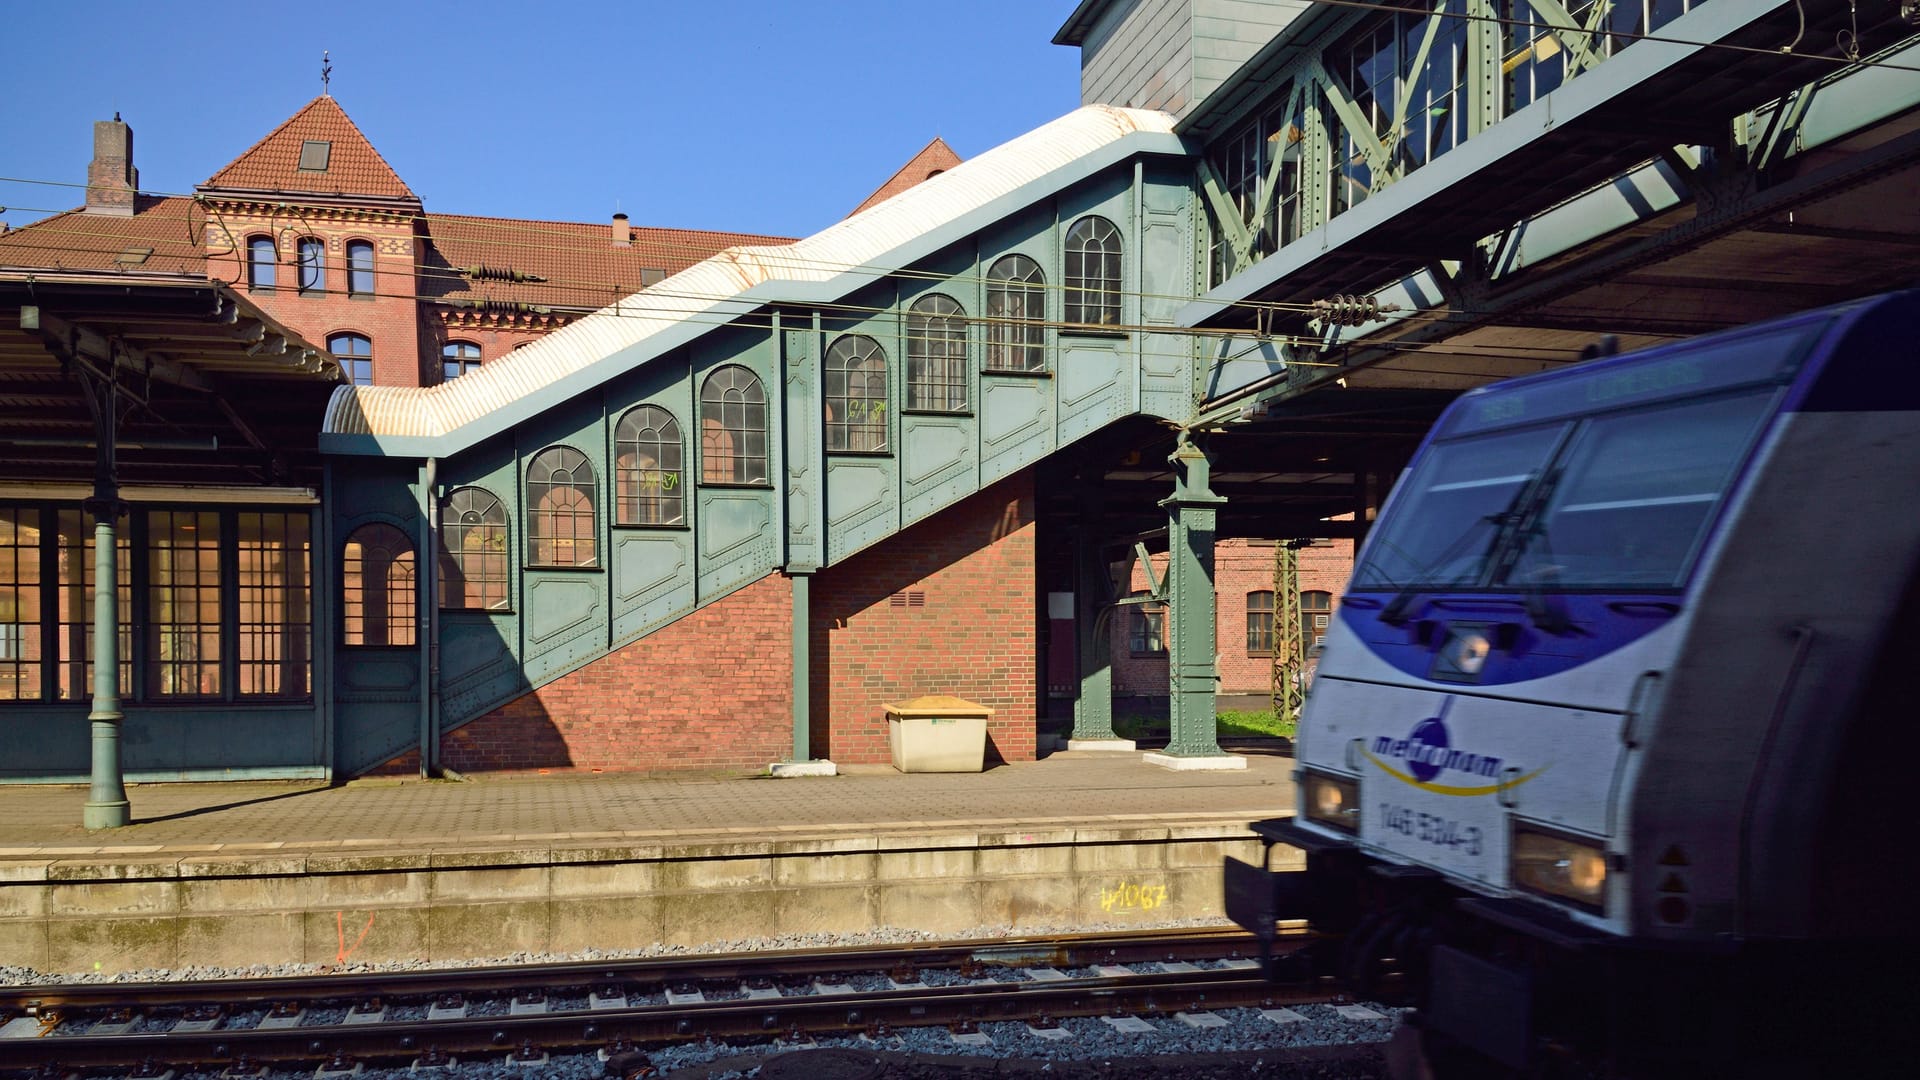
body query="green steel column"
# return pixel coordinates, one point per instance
(802, 665)
(1093, 705)
(1191, 513)
(107, 805)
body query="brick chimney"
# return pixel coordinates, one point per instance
(111, 177)
(622, 236)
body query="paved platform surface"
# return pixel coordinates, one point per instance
(1067, 787)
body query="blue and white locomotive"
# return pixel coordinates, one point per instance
(1611, 745)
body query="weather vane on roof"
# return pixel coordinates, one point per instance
(326, 73)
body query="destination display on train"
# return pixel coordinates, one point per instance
(1688, 371)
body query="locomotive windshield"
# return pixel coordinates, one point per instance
(1634, 494)
(1460, 496)
(1619, 500)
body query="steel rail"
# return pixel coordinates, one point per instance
(1062, 950)
(614, 1028)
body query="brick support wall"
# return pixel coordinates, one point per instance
(973, 633)
(710, 691)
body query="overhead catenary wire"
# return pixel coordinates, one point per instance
(617, 291)
(699, 312)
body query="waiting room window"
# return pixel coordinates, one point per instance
(20, 646)
(936, 355)
(359, 268)
(560, 508)
(1093, 273)
(1016, 315)
(219, 606)
(313, 265)
(457, 358)
(354, 353)
(275, 579)
(473, 551)
(261, 256)
(1316, 612)
(75, 604)
(183, 603)
(647, 474)
(1147, 628)
(1260, 623)
(733, 428)
(379, 587)
(855, 385)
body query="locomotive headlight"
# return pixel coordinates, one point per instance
(1331, 801)
(1468, 651)
(1561, 866)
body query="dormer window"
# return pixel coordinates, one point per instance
(314, 154)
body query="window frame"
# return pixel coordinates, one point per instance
(359, 287)
(1254, 632)
(66, 676)
(1146, 623)
(350, 362)
(853, 380)
(1024, 334)
(741, 462)
(938, 348)
(1093, 272)
(262, 273)
(452, 353)
(411, 617)
(673, 477)
(454, 530)
(555, 460)
(1316, 617)
(310, 253)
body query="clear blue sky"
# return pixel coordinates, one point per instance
(748, 115)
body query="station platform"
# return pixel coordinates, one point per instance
(232, 875)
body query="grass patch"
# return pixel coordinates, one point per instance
(1258, 723)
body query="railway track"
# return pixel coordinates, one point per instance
(332, 1022)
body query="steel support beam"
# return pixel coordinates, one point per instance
(1193, 673)
(1093, 614)
(106, 806)
(802, 664)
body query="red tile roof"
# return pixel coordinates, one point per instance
(934, 158)
(76, 240)
(580, 263)
(354, 167)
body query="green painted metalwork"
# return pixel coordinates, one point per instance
(802, 666)
(1289, 656)
(107, 806)
(1191, 660)
(1316, 119)
(1093, 615)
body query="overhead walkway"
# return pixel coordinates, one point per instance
(1672, 184)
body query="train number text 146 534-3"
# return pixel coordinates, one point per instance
(1431, 829)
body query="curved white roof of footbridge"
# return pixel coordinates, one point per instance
(435, 420)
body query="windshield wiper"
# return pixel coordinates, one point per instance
(1546, 615)
(1395, 613)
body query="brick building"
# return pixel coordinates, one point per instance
(321, 233)
(1244, 592)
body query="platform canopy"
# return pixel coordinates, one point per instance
(1703, 178)
(209, 391)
